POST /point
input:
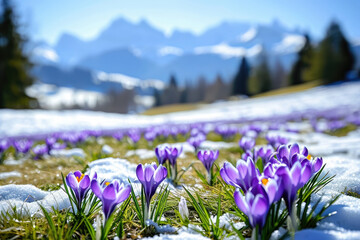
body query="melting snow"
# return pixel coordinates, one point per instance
(75, 152)
(5, 175)
(27, 198)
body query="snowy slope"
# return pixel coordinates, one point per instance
(320, 99)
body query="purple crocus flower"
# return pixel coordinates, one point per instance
(292, 180)
(118, 136)
(150, 176)
(276, 140)
(110, 194)
(291, 154)
(80, 184)
(183, 129)
(94, 133)
(256, 128)
(134, 136)
(22, 146)
(208, 158)
(196, 141)
(243, 176)
(255, 204)
(40, 151)
(165, 132)
(50, 141)
(265, 153)
(246, 143)
(226, 131)
(173, 153)
(262, 152)
(4, 145)
(161, 155)
(315, 163)
(150, 136)
(174, 131)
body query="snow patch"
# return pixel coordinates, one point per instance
(5, 175)
(106, 149)
(28, 198)
(113, 168)
(75, 152)
(142, 153)
(180, 236)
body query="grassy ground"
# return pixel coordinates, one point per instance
(291, 89)
(171, 108)
(194, 106)
(46, 174)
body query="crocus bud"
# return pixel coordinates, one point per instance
(183, 209)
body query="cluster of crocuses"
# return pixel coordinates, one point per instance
(226, 131)
(110, 193)
(113, 193)
(285, 172)
(170, 154)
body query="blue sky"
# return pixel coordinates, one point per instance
(47, 19)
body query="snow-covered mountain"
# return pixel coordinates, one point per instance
(140, 50)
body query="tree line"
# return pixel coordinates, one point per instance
(329, 61)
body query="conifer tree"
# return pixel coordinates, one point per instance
(260, 80)
(333, 59)
(302, 63)
(14, 65)
(241, 78)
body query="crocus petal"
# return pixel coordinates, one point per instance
(95, 187)
(85, 182)
(123, 194)
(305, 152)
(140, 173)
(317, 164)
(240, 202)
(242, 168)
(294, 149)
(259, 209)
(160, 174)
(216, 154)
(109, 192)
(200, 156)
(295, 173)
(260, 205)
(225, 177)
(271, 189)
(149, 173)
(283, 151)
(231, 172)
(305, 174)
(72, 181)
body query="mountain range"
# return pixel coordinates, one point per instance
(140, 50)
